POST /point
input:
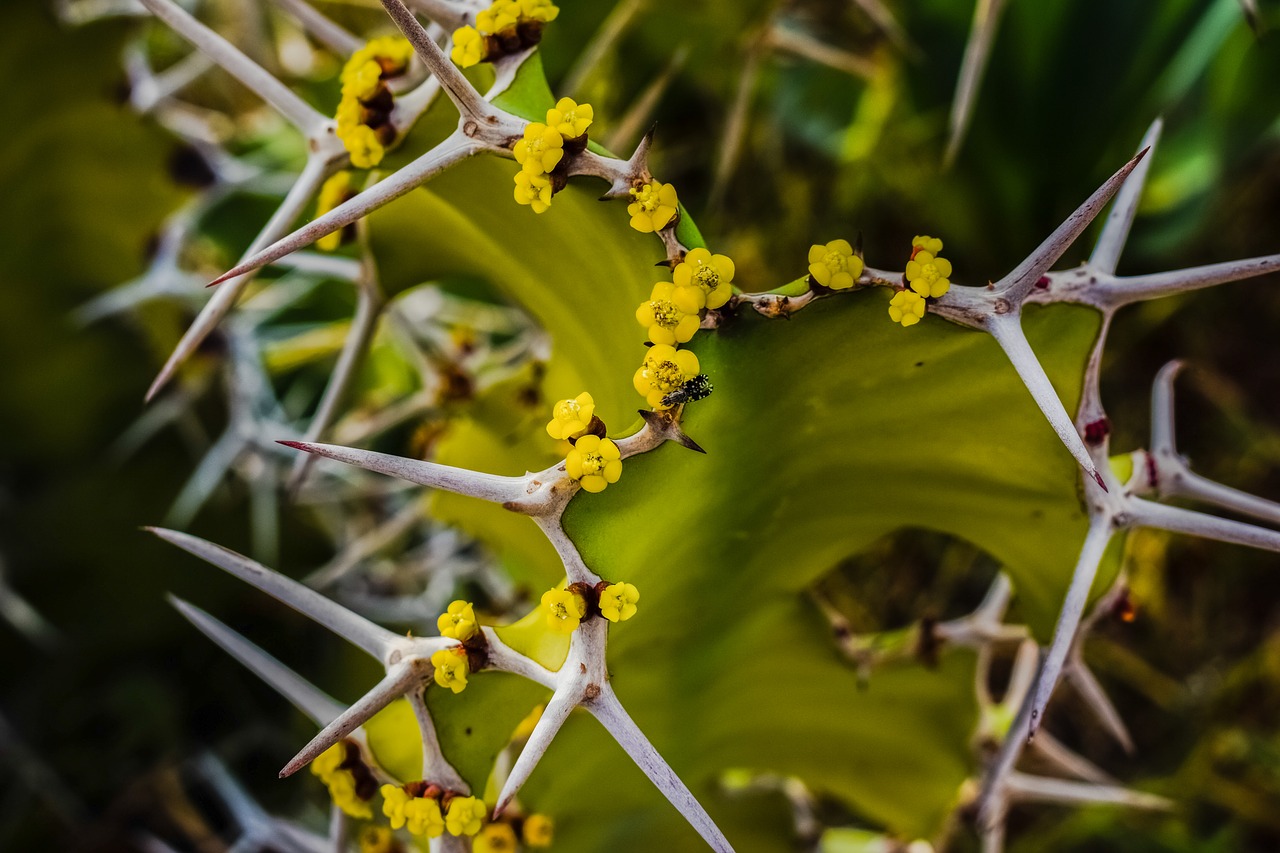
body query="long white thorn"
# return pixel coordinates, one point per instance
(805, 46)
(505, 659)
(320, 707)
(399, 680)
(1018, 283)
(1177, 520)
(1189, 484)
(1007, 330)
(735, 126)
(313, 174)
(609, 711)
(447, 14)
(1086, 686)
(325, 30)
(1106, 252)
(355, 629)
(1163, 434)
(435, 768)
(489, 487)
(1064, 633)
(1052, 752)
(986, 20)
(1139, 288)
(548, 726)
(1026, 788)
(244, 69)
(464, 96)
(359, 336)
(451, 151)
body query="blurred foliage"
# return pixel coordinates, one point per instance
(1069, 90)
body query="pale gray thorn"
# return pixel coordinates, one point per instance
(805, 46)
(205, 479)
(1018, 283)
(373, 639)
(883, 18)
(1023, 787)
(444, 13)
(224, 298)
(1064, 633)
(399, 680)
(434, 766)
(489, 487)
(609, 711)
(1025, 664)
(1086, 686)
(996, 600)
(320, 707)
(321, 27)
(1051, 751)
(505, 659)
(1177, 520)
(455, 86)
(575, 567)
(616, 24)
(993, 837)
(244, 69)
(1007, 330)
(1251, 15)
(1106, 252)
(1163, 433)
(451, 151)
(1189, 484)
(24, 618)
(1139, 288)
(735, 128)
(544, 732)
(359, 337)
(986, 20)
(244, 809)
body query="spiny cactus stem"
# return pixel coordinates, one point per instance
(575, 568)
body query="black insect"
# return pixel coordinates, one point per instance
(697, 388)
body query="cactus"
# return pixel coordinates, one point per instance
(679, 547)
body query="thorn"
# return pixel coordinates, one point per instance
(1097, 478)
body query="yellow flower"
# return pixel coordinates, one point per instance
(458, 622)
(618, 602)
(834, 265)
(569, 118)
(362, 81)
(466, 816)
(928, 275)
(501, 15)
(340, 782)
(538, 830)
(394, 800)
(564, 610)
(654, 207)
(664, 370)
(533, 190)
(666, 322)
(595, 462)
(540, 150)
(906, 307)
(451, 668)
(362, 143)
(570, 418)
(377, 839)
(702, 280)
(495, 838)
(538, 10)
(932, 245)
(335, 191)
(422, 816)
(468, 47)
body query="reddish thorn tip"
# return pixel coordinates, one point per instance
(296, 445)
(1098, 478)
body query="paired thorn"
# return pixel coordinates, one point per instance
(1115, 233)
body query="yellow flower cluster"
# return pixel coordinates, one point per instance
(928, 277)
(542, 148)
(618, 602)
(564, 610)
(594, 462)
(538, 830)
(665, 369)
(505, 27)
(423, 816)
(834, 265)
(570, 418)
(654, 208)
(364, 113)
(458, 622)
(451, 668)
(340, 781)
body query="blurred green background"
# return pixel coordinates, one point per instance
(99, 710)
